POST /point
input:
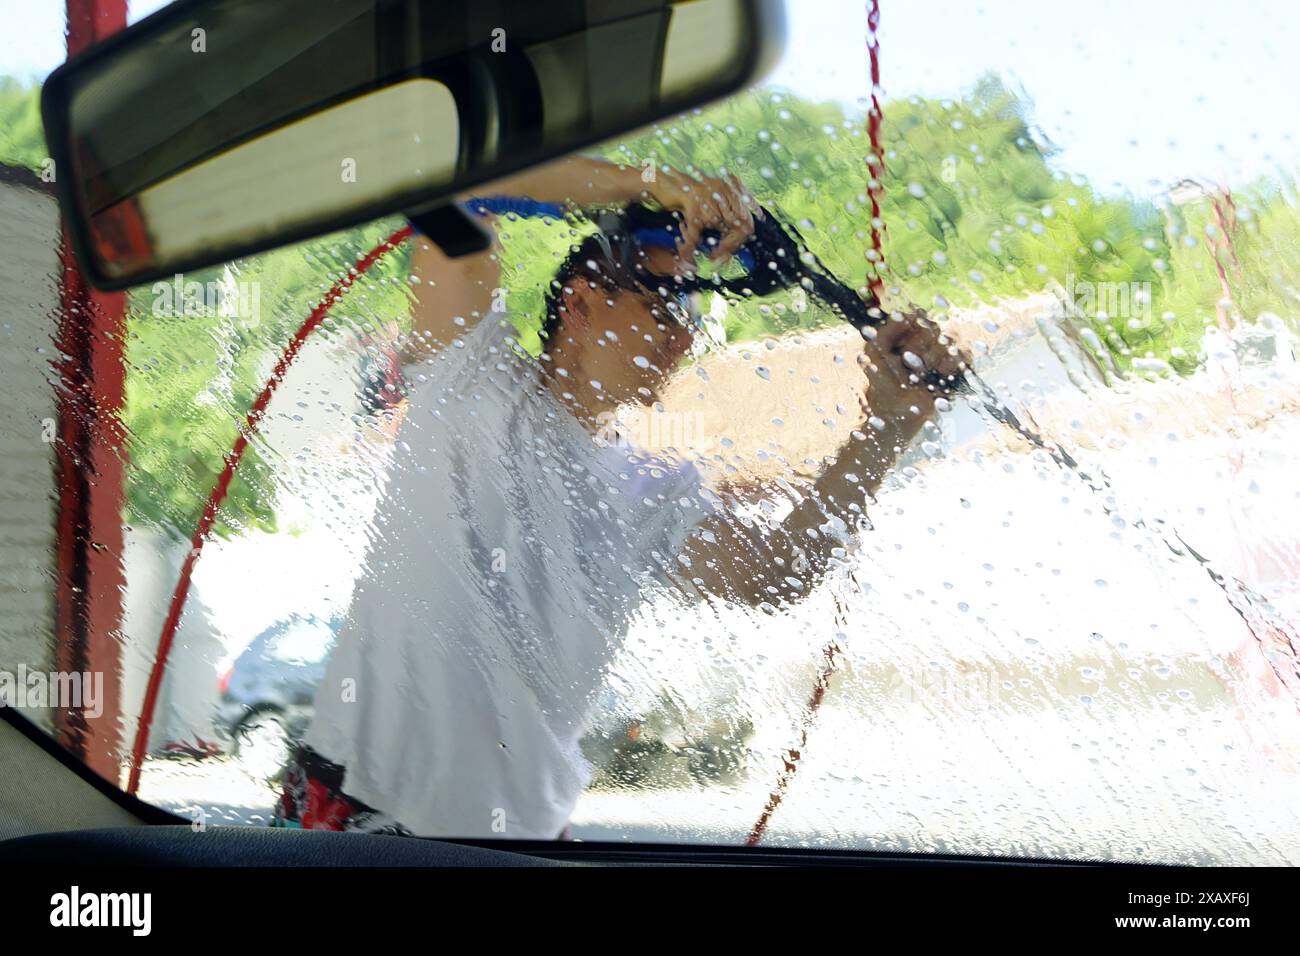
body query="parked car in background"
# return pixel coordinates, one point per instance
(266, 695)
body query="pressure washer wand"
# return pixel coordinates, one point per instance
(785, 261)
(781, 259)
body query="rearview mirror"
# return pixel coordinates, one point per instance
(220, 128)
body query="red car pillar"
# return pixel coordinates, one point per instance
(89, 474)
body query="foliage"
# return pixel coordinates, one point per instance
(22, 139)
(191, 378)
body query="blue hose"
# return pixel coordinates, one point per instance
(648, 237)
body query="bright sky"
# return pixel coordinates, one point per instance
(1134, 93)
(1131, 90)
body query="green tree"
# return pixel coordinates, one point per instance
(22, 138)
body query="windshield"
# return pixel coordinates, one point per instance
(902, 467)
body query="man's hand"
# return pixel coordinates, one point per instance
(907, 351)
(723, 205)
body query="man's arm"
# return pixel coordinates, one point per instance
(747, 562)
(452, 295)
(707, 202)
(582, 181)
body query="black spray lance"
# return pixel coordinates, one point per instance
(776, 258)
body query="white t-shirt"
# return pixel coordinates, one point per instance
(506, 558)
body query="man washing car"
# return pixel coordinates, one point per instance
(514, 543)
